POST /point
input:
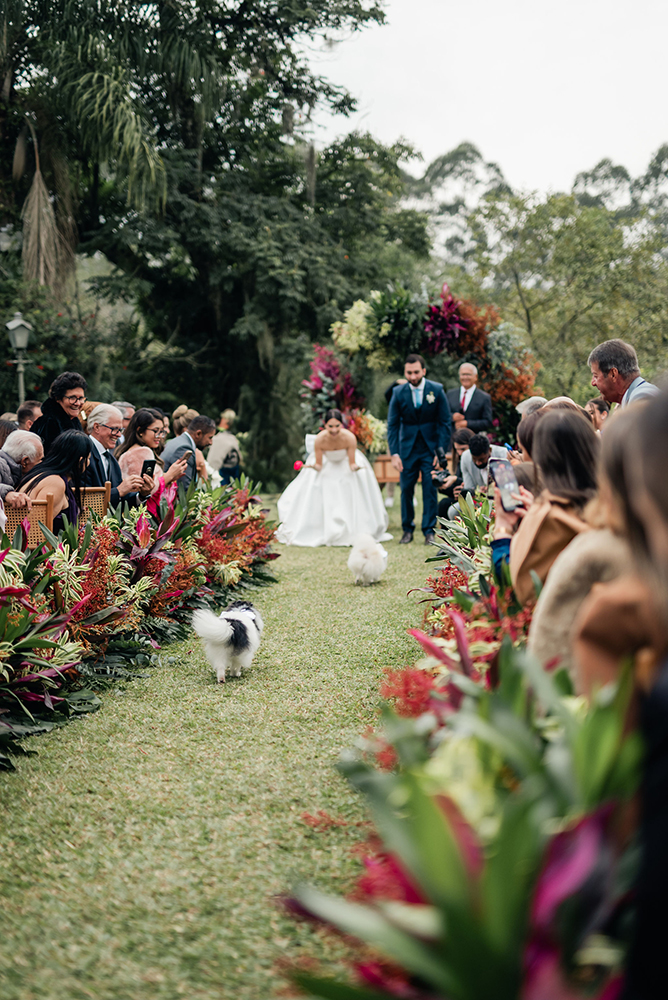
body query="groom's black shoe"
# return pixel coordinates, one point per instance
(406, 538)
(429, 538)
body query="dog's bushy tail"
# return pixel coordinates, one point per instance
(211, 627)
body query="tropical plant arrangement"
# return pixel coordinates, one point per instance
(97, 602)
(499, 865)
(395, 322)
(331, 386)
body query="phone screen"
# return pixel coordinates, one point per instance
(503, 475)
(148, 468)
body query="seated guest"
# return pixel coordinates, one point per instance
(127, 409)
(199, 435)
(60, 412)
(527, 475)
(142, 437)
(470, 406)
(475, 462)
(584, 568)
(165, 422)
(526, 430)
(647, 459)
(61, 473)
(181, 417)
(565, 449)
(7, 427)
(105, 426)
(450, 487)
(620, 621)
(20, 453)
(530, 405)
(224, 455)
(599, 412)
(28, 413)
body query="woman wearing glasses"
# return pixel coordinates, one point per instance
(60, 412)
(143, 436)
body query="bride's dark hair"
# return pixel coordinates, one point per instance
(334, 415)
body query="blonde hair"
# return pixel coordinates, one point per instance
(181, 418)
(228, 415)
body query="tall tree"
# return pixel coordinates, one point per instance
(184, 128)
(572, 275)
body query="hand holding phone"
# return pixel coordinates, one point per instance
(503, 475)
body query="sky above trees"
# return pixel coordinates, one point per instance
(544, 89)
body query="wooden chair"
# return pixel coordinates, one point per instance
(42, 510)
(95, 500)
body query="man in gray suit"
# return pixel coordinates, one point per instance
(198, 435)
(616, 375)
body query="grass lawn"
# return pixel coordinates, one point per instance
(140, 851)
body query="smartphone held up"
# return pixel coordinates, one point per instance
(503, 475)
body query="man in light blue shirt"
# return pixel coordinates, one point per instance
(616, 374)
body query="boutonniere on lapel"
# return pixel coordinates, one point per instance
(430, 397)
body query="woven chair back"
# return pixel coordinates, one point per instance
(95, 500)
(42, 510)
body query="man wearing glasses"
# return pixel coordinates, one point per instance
(60, 412)
(105, 426)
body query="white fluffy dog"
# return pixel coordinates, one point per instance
(367, 560)
(230, 639)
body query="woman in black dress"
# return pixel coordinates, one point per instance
(60, 412)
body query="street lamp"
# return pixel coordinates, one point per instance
(19, 335)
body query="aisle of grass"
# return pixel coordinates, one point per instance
(141, 849)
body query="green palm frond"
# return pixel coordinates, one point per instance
(112, 129)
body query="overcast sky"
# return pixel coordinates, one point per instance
(543, 88)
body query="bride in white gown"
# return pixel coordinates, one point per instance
(335, 496)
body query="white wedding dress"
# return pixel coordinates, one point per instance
(331, 507)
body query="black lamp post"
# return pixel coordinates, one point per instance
(19, 336)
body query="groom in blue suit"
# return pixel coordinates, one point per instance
(418, 423)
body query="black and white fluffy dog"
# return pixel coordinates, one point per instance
(230, 639)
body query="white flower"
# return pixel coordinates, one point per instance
(430, 397)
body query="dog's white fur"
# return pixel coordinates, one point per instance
(367, 560)
(217, 635)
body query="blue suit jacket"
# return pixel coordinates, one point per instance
(432, 419)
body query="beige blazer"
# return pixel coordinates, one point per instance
(548, 526)
(591, 557)
(619, 620)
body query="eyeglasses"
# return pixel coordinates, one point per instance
(80, 400)
(115, 431)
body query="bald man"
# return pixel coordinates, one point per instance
(470, 406)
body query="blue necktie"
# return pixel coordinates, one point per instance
(417, 397)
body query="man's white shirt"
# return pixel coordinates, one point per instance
(103, 453)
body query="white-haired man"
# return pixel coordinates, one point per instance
(105, 426)
(470, 406)
(20, 453)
